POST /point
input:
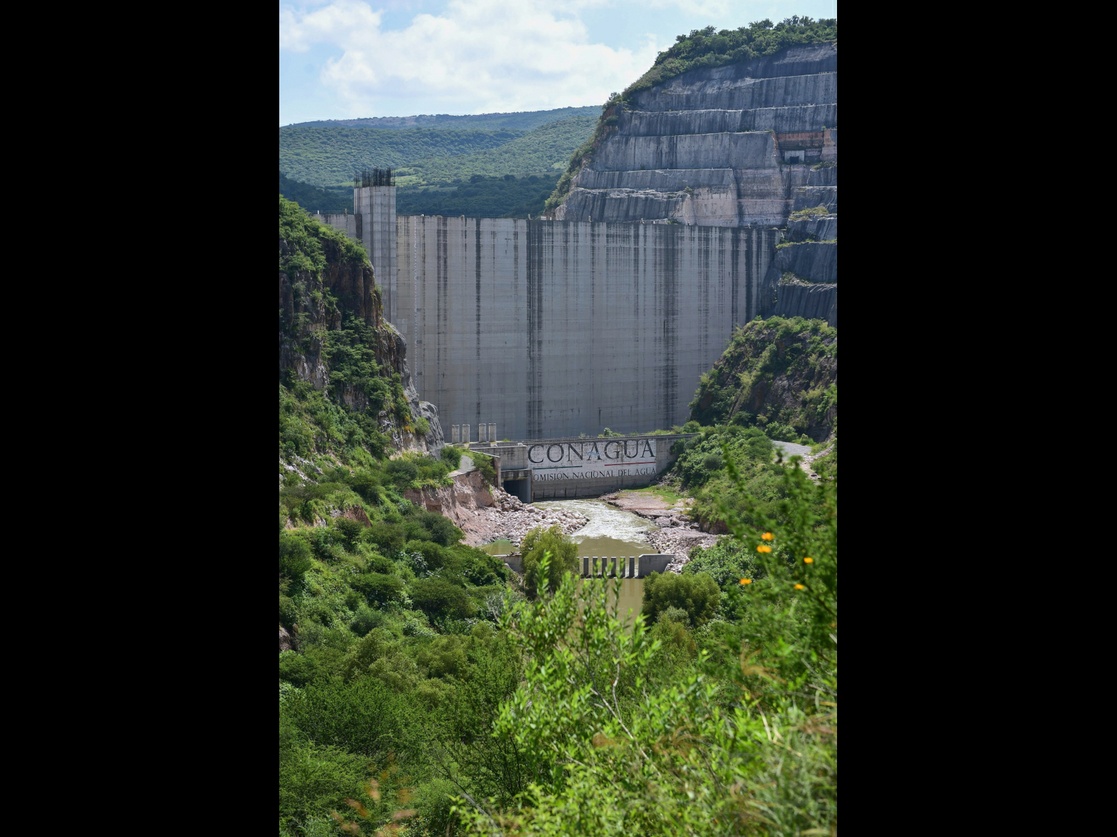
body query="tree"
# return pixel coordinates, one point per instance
(564, 558)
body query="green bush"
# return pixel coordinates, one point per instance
(379, 589)
(441, 599)
(727, 562)
(434, 556)
(365, 619)
(695, 595)
(363, 716)
(294, 557)
(426, 525)
(563, 554)
(452, 456)
(288, 612)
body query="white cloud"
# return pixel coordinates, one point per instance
(299, 30)
(493, 54)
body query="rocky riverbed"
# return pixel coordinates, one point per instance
(510, 519)
(675, 534)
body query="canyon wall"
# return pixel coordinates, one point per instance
(752, 143)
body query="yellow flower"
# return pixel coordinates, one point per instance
(800, 587)
(767, 536)
(746, 581)
(808, 560)
(764, 548)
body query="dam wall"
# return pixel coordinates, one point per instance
(555, 329)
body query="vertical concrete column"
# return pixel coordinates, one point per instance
(492, 432)
(465, 434)
(455, 433)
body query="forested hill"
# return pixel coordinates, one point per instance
(524, 121)
(489, 165)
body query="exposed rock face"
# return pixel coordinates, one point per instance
(723, 146)
(305, 313)
(746, 144)
(486, 514)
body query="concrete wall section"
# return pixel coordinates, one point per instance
(377, 208)
(553, 329)
(343, 222)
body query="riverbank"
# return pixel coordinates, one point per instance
(486, 514)
(675, 533)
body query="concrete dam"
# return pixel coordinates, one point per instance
(556, 329)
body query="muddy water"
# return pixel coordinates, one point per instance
(609, 532)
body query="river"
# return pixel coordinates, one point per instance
(609, 532)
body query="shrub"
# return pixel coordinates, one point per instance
(294, 557)
(564, 558)
(288, 612)
(434, 556)
(441, 599)
(379, 589)
(697, 596)
(365, 619)
(426, 525)
(727, 562)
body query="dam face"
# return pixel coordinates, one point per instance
(552, 329)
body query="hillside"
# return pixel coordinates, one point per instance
(778, 374)
(345, 391)
(489, 165)
(728, 129)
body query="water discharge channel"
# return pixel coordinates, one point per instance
(609, 531)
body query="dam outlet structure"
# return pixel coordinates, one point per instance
(574, 469)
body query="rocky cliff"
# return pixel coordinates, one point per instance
(781, 373)
(753, 143)
(325, 283)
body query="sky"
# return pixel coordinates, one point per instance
(353, 59)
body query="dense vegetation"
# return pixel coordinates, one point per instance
(713, 48)
(428, 691)
(486, 166)
(778, 374)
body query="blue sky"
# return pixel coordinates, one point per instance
(348, 59)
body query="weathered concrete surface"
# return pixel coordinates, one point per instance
(556, 329)
(577, 468)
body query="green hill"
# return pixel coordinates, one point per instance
(489, 165)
